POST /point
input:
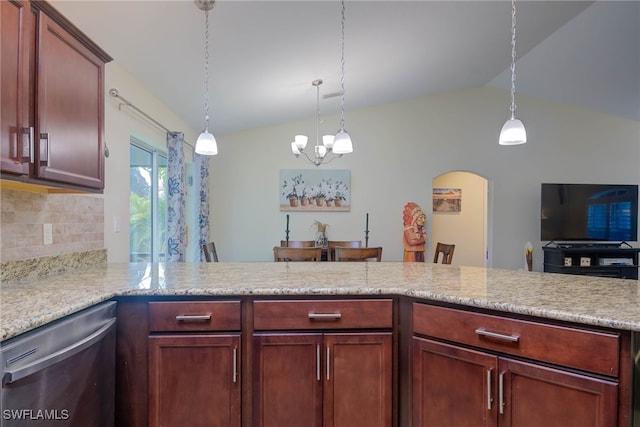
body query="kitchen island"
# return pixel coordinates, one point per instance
(605, 311)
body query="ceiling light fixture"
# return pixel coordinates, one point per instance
(320, 151)
(206, 143)
(513, 131)
(342, 142)
(337, 145)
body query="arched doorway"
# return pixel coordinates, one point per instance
(467, 228)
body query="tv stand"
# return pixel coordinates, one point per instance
(592, 259)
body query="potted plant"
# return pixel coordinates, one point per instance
(291, 189)
(340, 190)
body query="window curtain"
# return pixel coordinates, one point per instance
(201, 184)
(176, 198)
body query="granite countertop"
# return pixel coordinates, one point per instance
(28, 303)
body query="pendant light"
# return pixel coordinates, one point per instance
(513, 131)
(206, 142)
(342, 142)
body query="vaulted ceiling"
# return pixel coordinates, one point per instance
(264, 54)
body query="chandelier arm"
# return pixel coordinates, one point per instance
(330, 159)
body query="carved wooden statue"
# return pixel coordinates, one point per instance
(414, 235)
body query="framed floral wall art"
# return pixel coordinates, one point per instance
(327, 190)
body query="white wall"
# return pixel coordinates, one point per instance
(399, 148)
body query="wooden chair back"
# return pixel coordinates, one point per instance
(210, 254)
(332, 244)
(358, 254)
(281, 254)
(298, 243)
(446, 251)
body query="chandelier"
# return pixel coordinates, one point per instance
(513, 131)
(335, 145)
(322, 153)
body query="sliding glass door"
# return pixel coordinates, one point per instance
(148, 204)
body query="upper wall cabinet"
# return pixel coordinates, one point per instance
(52, 118)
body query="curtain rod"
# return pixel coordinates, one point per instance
(114, 92)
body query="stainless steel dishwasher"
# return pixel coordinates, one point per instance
(62, 374)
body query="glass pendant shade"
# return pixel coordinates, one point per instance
(206, 144)
(513, 133)
(327, 141)
(342, 143)
(301, 142)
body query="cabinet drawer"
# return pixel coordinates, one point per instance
(194, 316)
(323, 314)
(575, 348)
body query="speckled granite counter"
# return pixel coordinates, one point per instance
(615, 303)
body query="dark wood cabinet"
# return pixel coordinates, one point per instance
(194, 380)
(194, 364)
(500, 390)
(323, 377)
(330, 380)
(613, 260)
(17, 62)
(288, 380)
(533, 395)
(52, 121)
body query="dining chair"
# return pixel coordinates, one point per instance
(358, 254)
(210, 254)
(281, 254)
(447, 253)
(332, 244)
(298, 243)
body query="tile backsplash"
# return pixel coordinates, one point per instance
(77, 223)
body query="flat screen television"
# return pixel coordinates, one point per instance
(589, 212)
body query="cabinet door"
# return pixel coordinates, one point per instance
(358, 380)
(288, 380)
(70, 108)
(16, 67)
(536, 396)
(452, 386)
(194, 381)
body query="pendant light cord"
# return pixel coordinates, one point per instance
(342, 77)
(513, 59)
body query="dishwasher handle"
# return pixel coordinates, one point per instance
(44, 362)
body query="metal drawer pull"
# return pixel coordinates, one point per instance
(235, 365)
(489, 388)
(328, 363)
(45, 141)
(485, 333)
(501, 393)
(324, 316)
(318, 362)
(193, 317)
